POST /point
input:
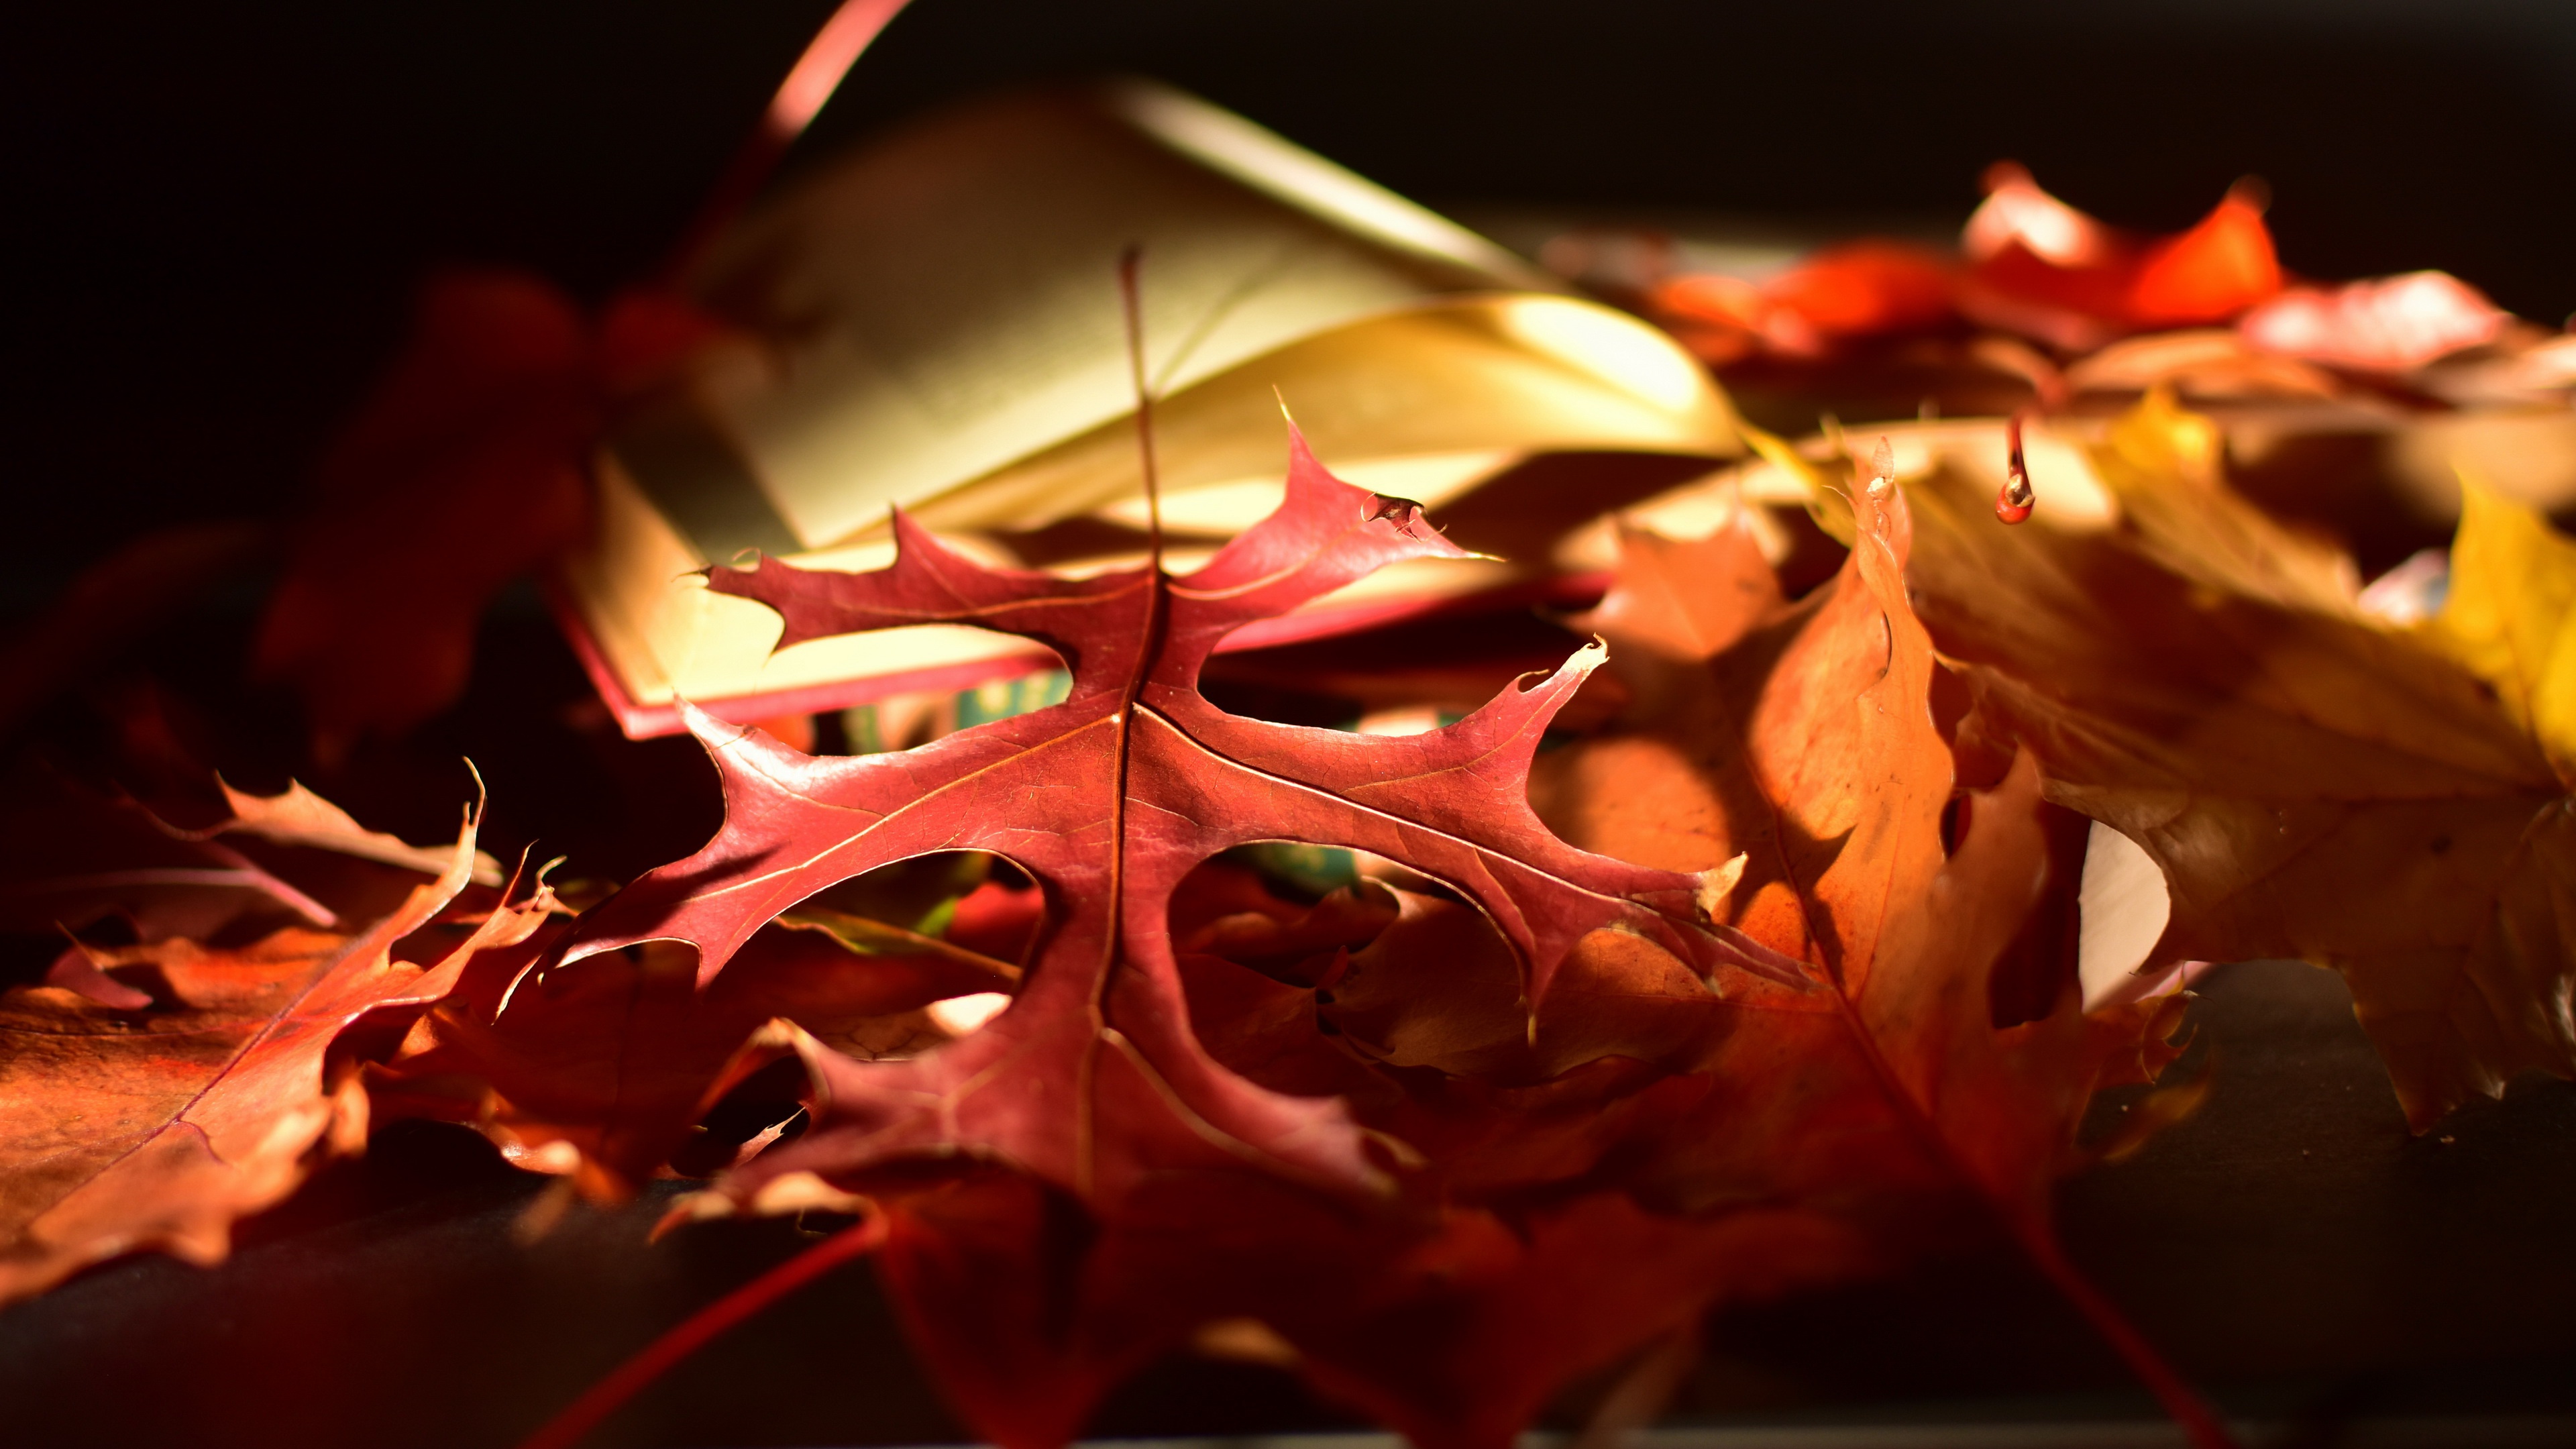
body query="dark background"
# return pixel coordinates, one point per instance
(215, 213)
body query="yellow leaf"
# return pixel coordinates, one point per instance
(2166, 467)
(2507, 616)
(1828, 505)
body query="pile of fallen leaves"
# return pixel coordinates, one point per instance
(1769, 975)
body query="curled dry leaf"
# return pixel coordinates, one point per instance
(158, 1129)
(600, 1070)
(70, 858)
(296, 816)
(2312, 784)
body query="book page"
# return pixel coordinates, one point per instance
(949, 298)
(1459, 385)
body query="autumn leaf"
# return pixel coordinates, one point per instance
(2029, 263)
(2311, 783)
(1780, 732)
(157, 1129)
(2506, 615)
(1801, 735)
(298, 817)
(1091, 1080)
(1097, 1109)
(600, 1070)
(70, 858)
(1652, 1149)
(2040, 267)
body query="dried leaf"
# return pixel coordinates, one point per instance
(2039, 267)
(600, 1069)
(2312, 784)
(1657, 1147)
(1092, 1080)
(135, 1131)
(2507, 612)
(297, 816)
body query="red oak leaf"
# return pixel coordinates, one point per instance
(1651, 1149)
(1092, 1079)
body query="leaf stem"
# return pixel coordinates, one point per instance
(696, 1331)
(2181, 1402)
(1131, 298)
(2014, 502)
(809, 83)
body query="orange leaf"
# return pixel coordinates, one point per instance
(133, 1131)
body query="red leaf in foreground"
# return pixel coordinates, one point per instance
(1092, 1079)
(1653, 1148)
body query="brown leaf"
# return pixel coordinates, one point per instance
(2311, 783)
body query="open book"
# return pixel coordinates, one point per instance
(939, 328)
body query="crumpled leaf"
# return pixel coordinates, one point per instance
(158, 1129)
(2311, 784)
